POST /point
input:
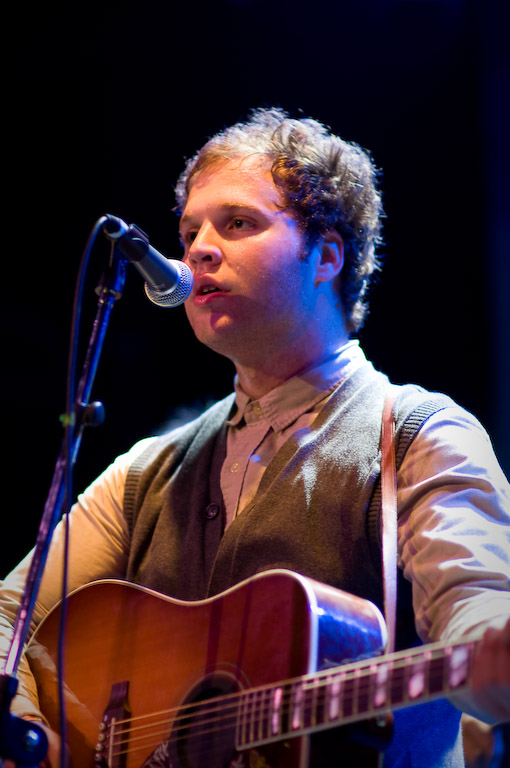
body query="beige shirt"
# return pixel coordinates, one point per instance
(259, 428)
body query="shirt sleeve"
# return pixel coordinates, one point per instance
(98, 549)
(454, 529)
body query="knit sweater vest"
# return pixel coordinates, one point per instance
(316, 511)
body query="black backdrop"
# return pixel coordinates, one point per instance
(102, 103)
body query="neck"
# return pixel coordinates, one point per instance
(262, 365)
(259, 378)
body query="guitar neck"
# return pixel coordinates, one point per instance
(352, 692)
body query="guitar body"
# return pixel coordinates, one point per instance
(135, 655)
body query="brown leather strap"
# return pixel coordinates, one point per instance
(389, 517)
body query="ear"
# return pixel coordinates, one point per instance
(330, 256)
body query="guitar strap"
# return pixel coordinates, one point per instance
(389, 516)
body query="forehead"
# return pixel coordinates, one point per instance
(243, 182)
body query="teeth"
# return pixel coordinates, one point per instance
(208, 289)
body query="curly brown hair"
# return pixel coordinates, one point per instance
(325, 183)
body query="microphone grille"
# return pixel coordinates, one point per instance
(176, 295)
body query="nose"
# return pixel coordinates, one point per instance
(204, 250)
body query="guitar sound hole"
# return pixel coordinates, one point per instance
(203, 735)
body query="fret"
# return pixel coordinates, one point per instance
(313, 702)
(268, 714)
(313, 691)
(348, 692)
(457, 661)
(296, 713)
(381, 678)
(397, 684)
(409, 677)
(416, 678)
(320, 701)
(258, 715)
(333, 697)
(265, 714)
(245, 726)
(276, 711)
(253, 722)
(436, 673)
(250, 711)
(362, 700)
(286, 713)
(308, 705)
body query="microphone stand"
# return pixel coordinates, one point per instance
(24, 741)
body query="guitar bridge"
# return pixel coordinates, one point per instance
(113, 735)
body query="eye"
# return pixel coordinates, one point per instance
(188, 236)
(240, 224)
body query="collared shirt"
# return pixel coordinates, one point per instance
(260, 427)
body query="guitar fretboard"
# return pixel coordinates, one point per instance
(351, 692)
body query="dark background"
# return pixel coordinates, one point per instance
(102, 103)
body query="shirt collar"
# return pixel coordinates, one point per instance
(293, 397)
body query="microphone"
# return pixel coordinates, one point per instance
(168, 281)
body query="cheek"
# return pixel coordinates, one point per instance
(274, 261)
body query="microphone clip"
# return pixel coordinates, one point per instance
(135, 243)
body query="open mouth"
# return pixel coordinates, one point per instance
(207, 289)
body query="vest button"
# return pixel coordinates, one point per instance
(212, 511)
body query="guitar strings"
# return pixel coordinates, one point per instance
(348, 672)
(219, 726)
(214, 716)
(218, 704)
(322, 676)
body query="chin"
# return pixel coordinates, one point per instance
(218, 337)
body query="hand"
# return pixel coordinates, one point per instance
(491, 673)
(52, 759)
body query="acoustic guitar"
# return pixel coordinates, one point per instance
(240, 680)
